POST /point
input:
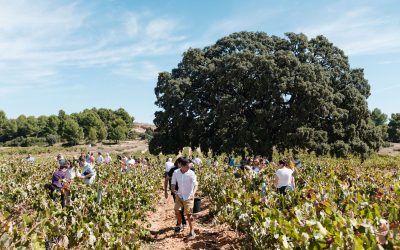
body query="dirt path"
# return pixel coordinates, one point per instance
(393, 150)
(209, 235)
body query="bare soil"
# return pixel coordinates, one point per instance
(125, 146)
(393, 150)
(209, 234)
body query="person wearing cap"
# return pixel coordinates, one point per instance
(187, 181)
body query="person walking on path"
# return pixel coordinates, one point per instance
(168, 165)
(187, 182)
(168, 179)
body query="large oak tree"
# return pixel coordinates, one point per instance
(250, 90)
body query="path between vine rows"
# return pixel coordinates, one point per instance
(209, 234)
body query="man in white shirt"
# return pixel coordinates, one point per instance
(88, 173)
(168, 165)
(284, 178)
(187, 183)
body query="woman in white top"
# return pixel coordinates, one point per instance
(108, 159)
(284, 178)
(71, 173)
(69, 177)
(256, 166)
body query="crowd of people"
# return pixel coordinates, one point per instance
(180, 178)
(284, 179)
(84, 168)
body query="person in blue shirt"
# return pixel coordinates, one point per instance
(231, 161)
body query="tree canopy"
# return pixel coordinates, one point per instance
(91, 124)
(394, 128)
(378, 117)
(254, 91)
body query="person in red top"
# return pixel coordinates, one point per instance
(92, 159)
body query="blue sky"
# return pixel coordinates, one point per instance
(73, 55)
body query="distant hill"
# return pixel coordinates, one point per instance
(141, 127)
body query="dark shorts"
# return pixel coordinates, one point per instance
(282, 190)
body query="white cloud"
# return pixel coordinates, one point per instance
(37, 41)
(145, 70)
(160, 28)
(360, 31)
(132, 25)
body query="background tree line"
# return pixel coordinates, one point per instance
(258, 92)
(90, 125)
(391, 130)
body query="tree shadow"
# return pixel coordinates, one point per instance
(154, 235)
(108, 143)
(205, 219)
(210, 240)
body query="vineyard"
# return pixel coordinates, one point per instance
(337, 203)
(30, 219)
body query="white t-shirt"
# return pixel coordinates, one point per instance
(30, 159)
(89, 169)
(256, 169)
(168, 166)
(130, 162)
(108, 159)
(70, 174)
(186, 183)
(197, 161)
(99, 159)
(284, 177)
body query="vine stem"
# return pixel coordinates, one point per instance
(29, 232)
